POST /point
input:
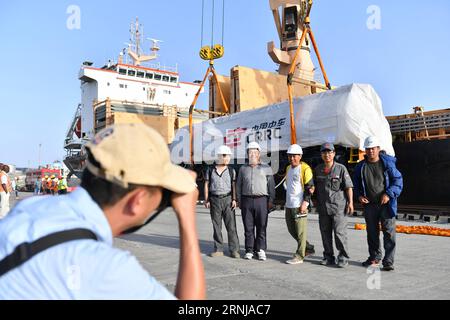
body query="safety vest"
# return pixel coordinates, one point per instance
(8, 182)
(55, 184)
(62, 184)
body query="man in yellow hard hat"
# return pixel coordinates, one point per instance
(49, 182)
(62, 185)
(55, 181)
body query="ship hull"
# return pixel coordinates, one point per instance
(425, 166)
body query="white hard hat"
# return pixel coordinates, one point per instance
(295, 149)
(224, 150)
(253, 145)
(371, 142)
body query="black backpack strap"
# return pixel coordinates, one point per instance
(27, 250)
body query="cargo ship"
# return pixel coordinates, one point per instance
(133, 89)
(422, 144)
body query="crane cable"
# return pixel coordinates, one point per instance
(210, 53)
(201, 36)
(212, 23)
(212, 29)
(223, 19)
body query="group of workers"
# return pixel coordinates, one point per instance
(56, 241)
(50, 185)
(377, 186)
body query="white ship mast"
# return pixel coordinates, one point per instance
(136, 43)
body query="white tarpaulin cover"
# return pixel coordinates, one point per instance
(344, 116)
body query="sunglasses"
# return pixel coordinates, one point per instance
(163, 205)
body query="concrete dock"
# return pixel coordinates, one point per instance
(422, 263)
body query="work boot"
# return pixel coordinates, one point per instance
(309, 249)
(235, 255)
(328, 262)
(371, 263)
(342, 263)
(388, 267)
(216, 254)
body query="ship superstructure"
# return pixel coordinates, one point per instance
(129, 90)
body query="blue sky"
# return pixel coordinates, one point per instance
(406, 61)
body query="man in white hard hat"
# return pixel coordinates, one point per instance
(220, 197)
(255, 192)
(62, 247)
(378, 184)
(299, 188)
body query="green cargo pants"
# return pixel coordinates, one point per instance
(297, 228)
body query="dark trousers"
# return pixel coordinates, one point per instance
(221, 209)
(254, 215)
(338, 224)
(374, 215)
(63, 191)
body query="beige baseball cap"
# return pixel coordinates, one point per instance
(136, 154)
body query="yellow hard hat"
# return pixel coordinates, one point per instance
(52, 177)
(46, 177)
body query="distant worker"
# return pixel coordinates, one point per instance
(255, 189)
(14, 190)
(128, 181)
(5, 190)
(334, 192)
(44, 184)
(37, 186)
(49, 185)
(62, 185)
(55, 185)
(299, 188)
(1, 168)
(220, 197)
(17, 187)
(378, 184)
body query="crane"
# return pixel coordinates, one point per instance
(295, 33)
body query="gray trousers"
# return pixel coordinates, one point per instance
(374, 215)
(221, 209)
(336, 223)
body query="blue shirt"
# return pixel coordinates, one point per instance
(80, 269)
